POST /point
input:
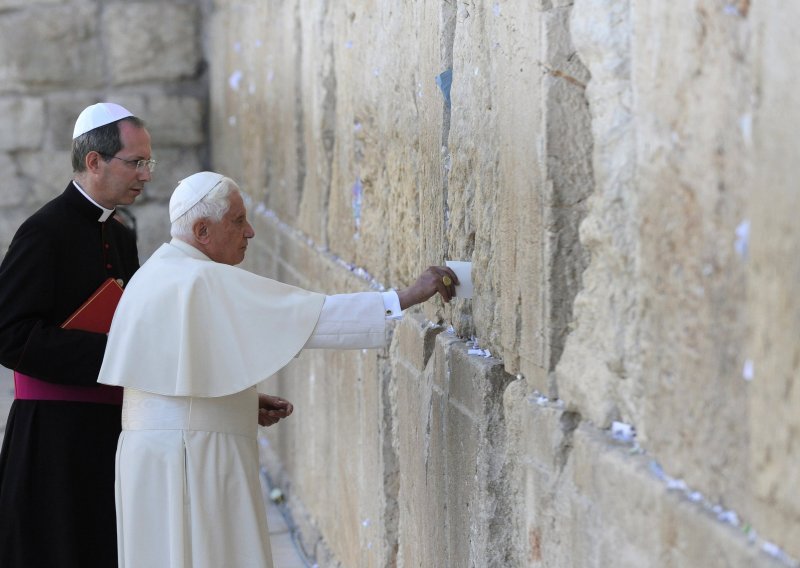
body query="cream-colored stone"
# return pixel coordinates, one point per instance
(771, 265)
(664, 131)
(21, 123)
(50, 47)
(176, 121)
(6, 4)
(48, 173)
(10, 221)
(151, 42)
(15, 189)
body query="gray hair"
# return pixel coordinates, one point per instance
(105, 140)
(212, 207)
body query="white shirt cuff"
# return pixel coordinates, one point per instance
(391, 305)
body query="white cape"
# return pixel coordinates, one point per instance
(189, 326)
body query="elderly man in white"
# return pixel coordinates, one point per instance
(191, 338)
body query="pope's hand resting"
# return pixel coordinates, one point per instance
(271, 409)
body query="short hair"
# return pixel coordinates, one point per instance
(212, 207)
(105, 140)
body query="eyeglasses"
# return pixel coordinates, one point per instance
(138, 164)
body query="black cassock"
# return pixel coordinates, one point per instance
(57, 460)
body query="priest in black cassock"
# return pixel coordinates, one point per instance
(57, 460)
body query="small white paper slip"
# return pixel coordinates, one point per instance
(464, 272)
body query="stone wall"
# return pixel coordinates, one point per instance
(59, 57)
(619, 175)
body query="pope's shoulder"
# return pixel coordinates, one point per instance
(171, 263)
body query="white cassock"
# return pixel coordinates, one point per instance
(190, 340)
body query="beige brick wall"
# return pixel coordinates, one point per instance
(600, 163)
(59, 57)
(620, 174)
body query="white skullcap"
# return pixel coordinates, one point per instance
(98, 115)
(190, 191)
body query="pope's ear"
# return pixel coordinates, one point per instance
(200, 231)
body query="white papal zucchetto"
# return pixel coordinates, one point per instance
(190, 191)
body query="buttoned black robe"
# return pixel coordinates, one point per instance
(57, 459)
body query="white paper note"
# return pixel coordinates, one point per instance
(464, 272)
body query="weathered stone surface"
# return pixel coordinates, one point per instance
(665, 132)
(772, 264)
(7, 4)
(21, 123)
(47, 174)
(560, 116)
(164, 46)
(50, 47)
(175, 121)
(9, 223)
(55, 67)
(13, 193)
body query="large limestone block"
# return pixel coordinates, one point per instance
(631, 519)
(254, 75)
(451, 450)
(435, 33)
(388, 115)
(773, 264)
(597, 351)
(14, 192)
(5, 4)
(175, 120)
(518, 176)
(164, 46)
(47, 172)
(594, 501)
(10, 220)
(540, 443)
(691, 192)
(355, 185)
(50, 46)
(22, 123)
(659, 325)
(421, 444)
(318, 106)
(226, 153)
(566, 122)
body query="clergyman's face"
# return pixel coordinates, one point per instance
(228, 237)
(121, 181)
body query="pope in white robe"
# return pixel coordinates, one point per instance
(191, 338)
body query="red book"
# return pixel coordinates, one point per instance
(96, 313)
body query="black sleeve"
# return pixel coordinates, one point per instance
(31, 339)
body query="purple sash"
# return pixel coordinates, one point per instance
(29, 388)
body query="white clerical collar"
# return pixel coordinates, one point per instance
(106, 212)
(188, 249)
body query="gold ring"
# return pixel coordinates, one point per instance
(446, 280)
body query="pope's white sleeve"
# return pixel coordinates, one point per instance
(354, 321)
